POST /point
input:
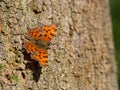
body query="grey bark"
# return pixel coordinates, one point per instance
(81, 55)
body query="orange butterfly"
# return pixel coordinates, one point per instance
(37, 43)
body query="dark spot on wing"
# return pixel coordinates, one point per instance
(45, 56)
(51, 34)
(45, 35)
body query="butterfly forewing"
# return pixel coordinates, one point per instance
(49, 32)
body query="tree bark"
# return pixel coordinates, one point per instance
(81, 55)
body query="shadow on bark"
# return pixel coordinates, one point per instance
(33, 65)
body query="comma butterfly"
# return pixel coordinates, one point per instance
(37, 42)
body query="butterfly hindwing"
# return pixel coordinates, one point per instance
(31, 48)
(41, 57)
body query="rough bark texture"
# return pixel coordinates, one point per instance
(81, 55)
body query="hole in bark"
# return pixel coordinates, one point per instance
(30, 88)
(36, 11)
(23, 75)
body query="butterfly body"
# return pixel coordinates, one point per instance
(37, 42)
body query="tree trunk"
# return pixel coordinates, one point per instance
(81, 55)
